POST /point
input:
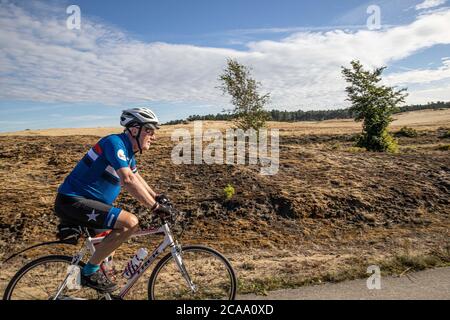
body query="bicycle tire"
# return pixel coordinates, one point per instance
(30, 266)
(193, 248)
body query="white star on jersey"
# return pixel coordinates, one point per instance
(92, 216)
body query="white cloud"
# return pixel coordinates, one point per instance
(427, 4)
(422, 96)
(421, 76)
(41, 60)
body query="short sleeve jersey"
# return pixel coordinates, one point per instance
(95, 176)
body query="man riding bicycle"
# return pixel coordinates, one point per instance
(85, 197)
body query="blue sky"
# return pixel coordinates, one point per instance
(168, 55)
(205, 22)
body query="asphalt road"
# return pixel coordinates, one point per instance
(423, 285)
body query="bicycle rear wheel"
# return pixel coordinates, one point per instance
(210, 272)
(41, 278)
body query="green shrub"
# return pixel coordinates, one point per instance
(390, 143)
(407, 132)
(229, 191)
(379, 143)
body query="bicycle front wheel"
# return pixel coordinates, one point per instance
(204, 274)
(40, 280)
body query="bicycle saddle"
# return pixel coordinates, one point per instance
(70, 232)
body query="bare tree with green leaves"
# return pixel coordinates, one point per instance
(373, 104)
(248, 103)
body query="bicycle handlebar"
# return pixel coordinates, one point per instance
(175, 218)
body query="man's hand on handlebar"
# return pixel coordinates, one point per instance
(163, 210)
(162, 199)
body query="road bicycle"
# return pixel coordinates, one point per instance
(190, 272)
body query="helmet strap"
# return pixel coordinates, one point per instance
(137, 137)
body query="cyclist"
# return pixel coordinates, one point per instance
(85, 197)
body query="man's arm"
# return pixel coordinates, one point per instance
(132, 183)
(150, 190)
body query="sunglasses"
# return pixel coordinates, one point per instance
(149, 131)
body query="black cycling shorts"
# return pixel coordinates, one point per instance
(86, 212)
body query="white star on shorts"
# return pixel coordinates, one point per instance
(92, 216)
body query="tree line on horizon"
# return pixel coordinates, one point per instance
(300, 115)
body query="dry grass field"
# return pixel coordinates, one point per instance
(420, 120)
(331, 211)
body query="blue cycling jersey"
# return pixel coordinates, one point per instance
(95, 176)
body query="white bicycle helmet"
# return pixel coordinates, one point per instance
(142, 117)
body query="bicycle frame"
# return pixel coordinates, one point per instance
(167, 242)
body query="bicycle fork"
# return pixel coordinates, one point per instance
(177, 255)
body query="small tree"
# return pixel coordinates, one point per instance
(373, 104)
(248, 103)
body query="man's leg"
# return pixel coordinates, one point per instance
(95, 215)
(126, 224)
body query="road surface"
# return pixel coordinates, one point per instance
(428, 284)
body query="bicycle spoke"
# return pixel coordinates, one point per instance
(212, 277)
(27, 294)
(45, 290)
(41, 279)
